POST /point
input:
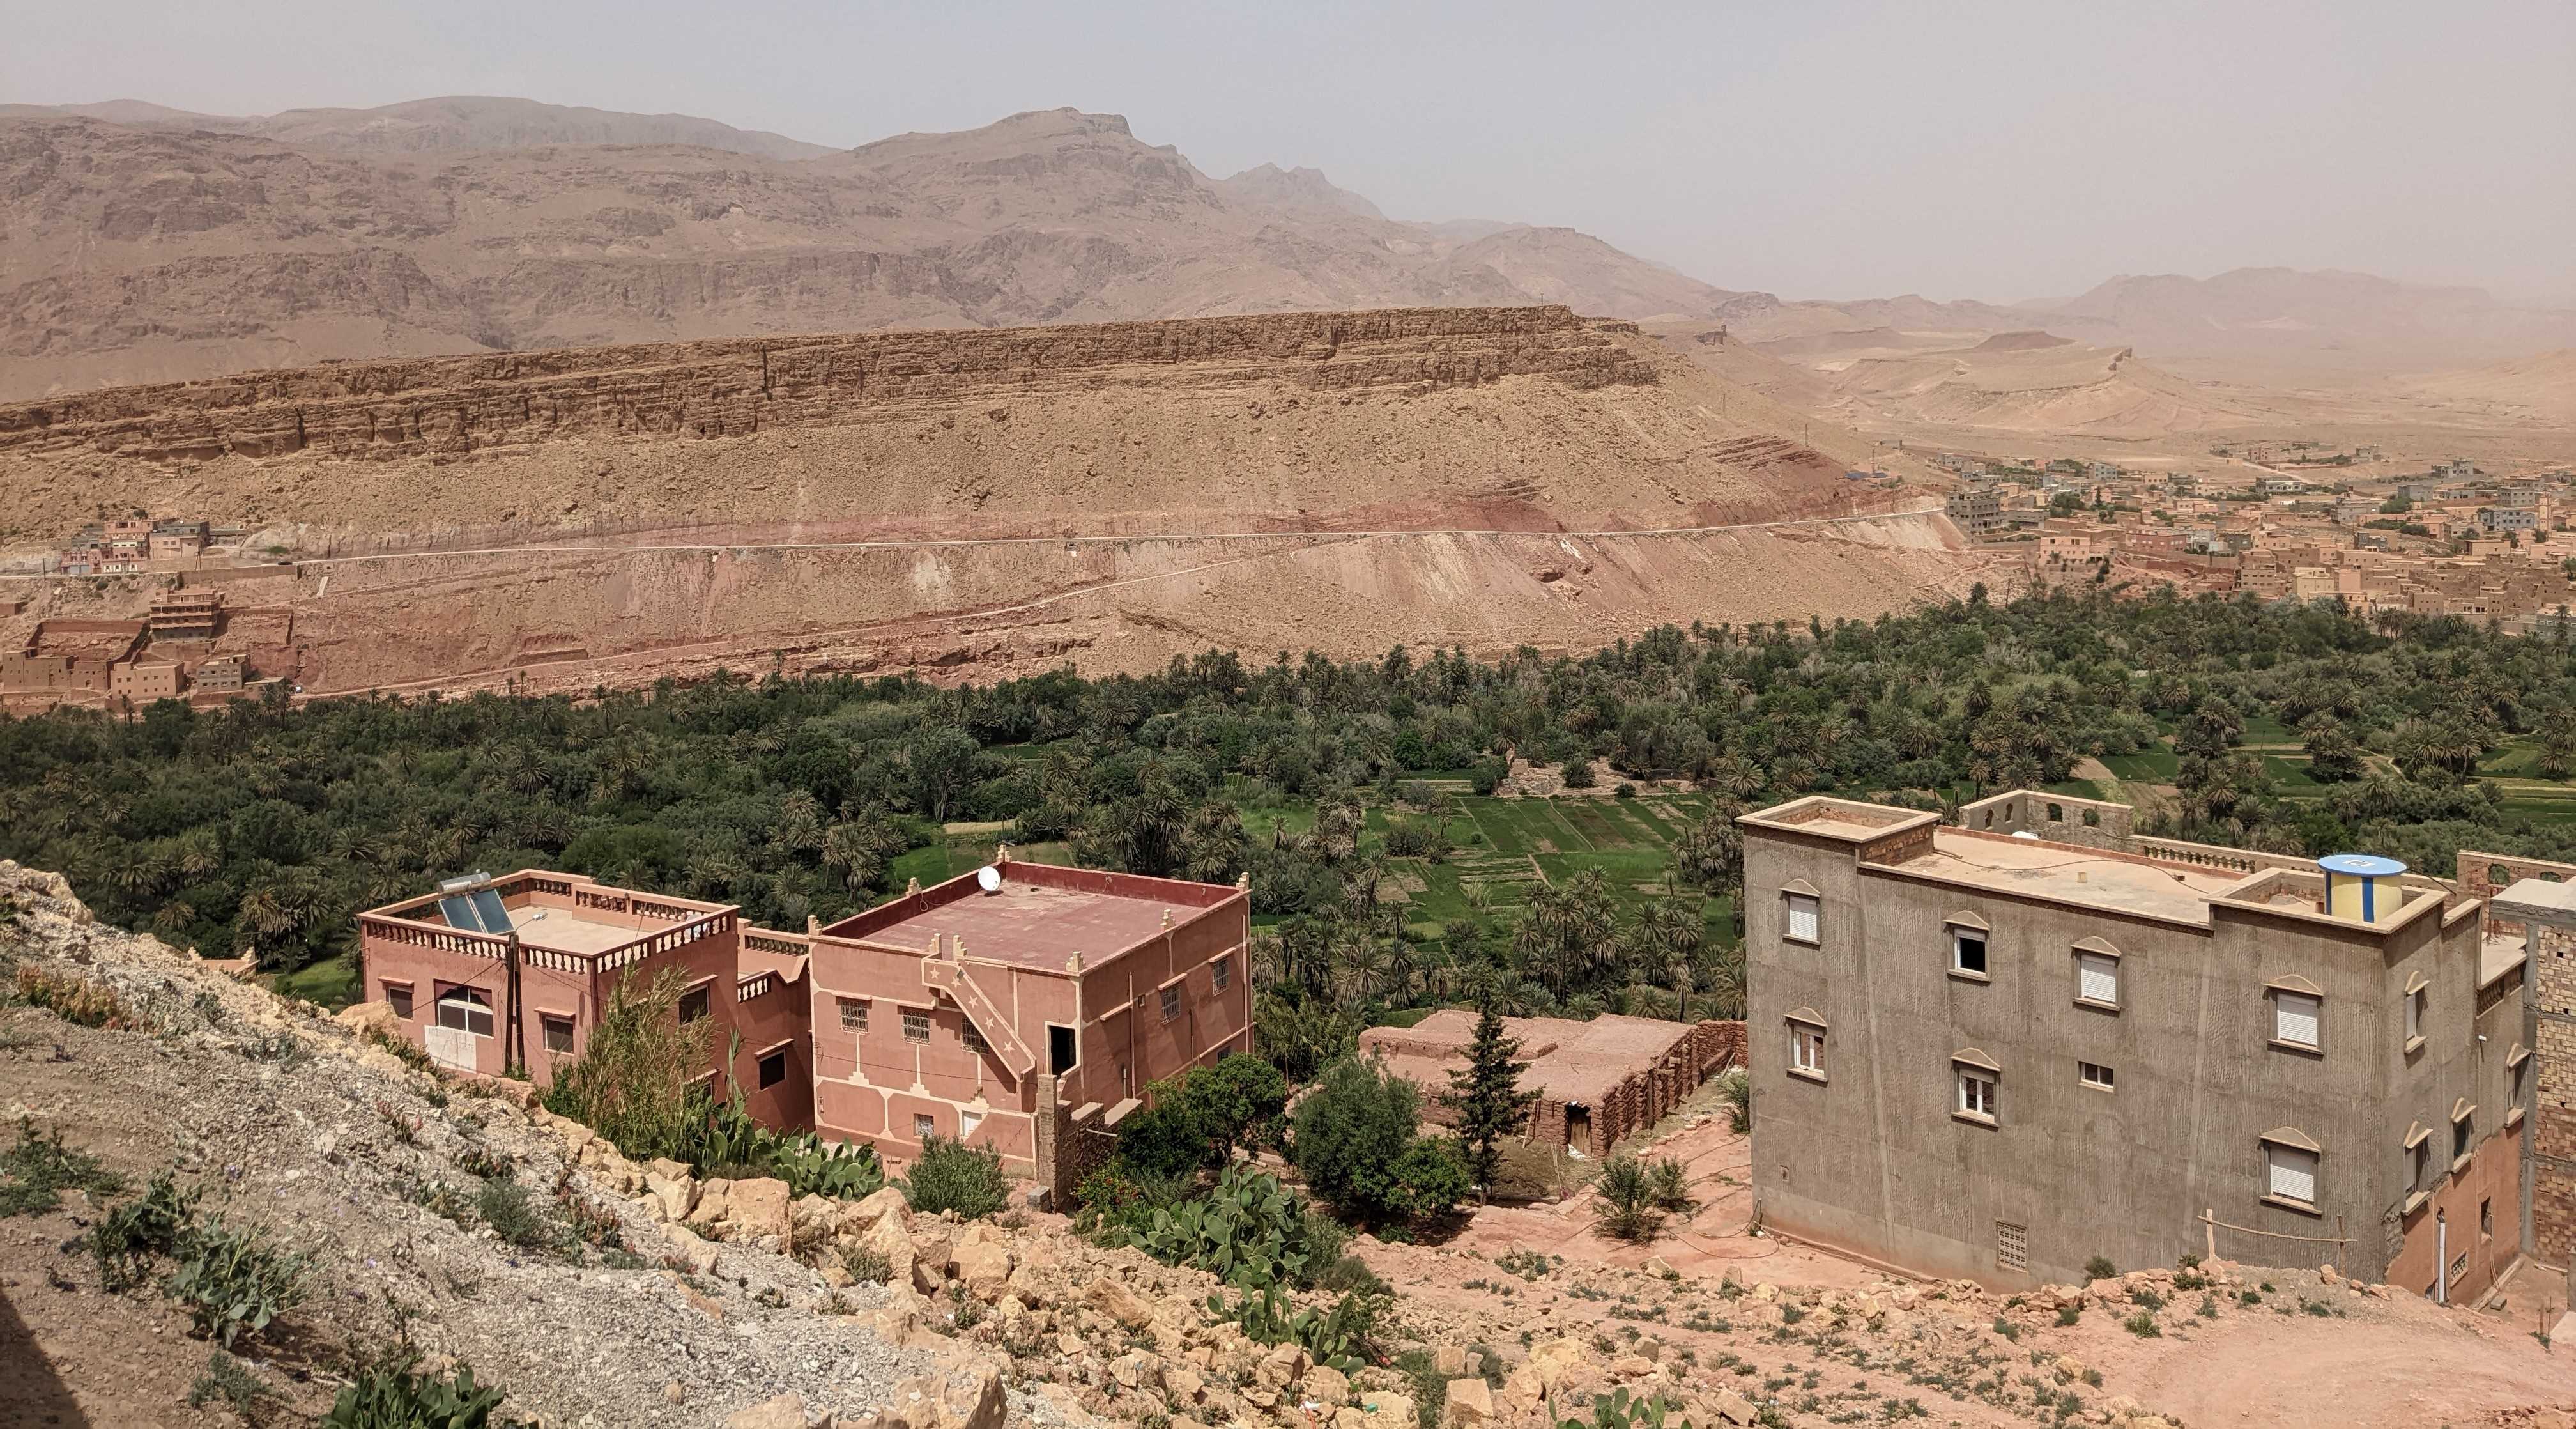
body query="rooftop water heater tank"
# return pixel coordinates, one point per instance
(2352, 886)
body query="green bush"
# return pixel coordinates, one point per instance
(227, 1379)
(1621, 1410)
(128, 1238)
(2142, 1325)
(235, 1282)
(392, 1393)
(866, 1262)
(516, 1218)
(1735, 1086)
(2099, 1268)
(1249, 1232)
(952, 1176)
(1355, 1141)
(1338, 1337)
(1200, 1119)
(39, 1168)
(631, 1082)
(1668, 1181)
(1628, 1210)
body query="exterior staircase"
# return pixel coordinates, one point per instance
(948, 975)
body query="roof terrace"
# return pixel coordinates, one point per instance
(1036, 917)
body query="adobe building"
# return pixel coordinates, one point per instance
(1598, 1081)
(1023, 1006)
(2535, 899)
(488, 974)
(2000, 1048)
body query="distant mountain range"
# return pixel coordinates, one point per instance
(142, 243)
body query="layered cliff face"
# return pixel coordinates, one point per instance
(454, 406)
(984, 502)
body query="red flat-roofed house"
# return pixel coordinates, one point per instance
(1010, 1016)
(444, 964)
(1025, 1016)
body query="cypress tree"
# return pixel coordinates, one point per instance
(1486, 1095)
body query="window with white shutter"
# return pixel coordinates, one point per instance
(2295, 1016)
(2097, 978)
(2290, 1173)
(1798, 917)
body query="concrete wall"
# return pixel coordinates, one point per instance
(1872, 1157)
(2548, 1031)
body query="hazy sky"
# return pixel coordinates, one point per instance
(1955, 149)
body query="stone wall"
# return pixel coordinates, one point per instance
(456, 405)
(2551, 1016)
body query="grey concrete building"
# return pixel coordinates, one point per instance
(1999, 1048)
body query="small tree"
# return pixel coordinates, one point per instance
(1356, 1142)
(631, 1082)
(1486, 1096)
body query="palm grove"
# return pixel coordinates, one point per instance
(265, 826)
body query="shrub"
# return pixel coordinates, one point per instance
(2142, 1325)
(1249, 1232)
(75, 999)
(1621, 1410)
(226, 1379)
(2069, 1314)
(127, 1239)
(631, 1082)
(1735, 1086)
(1356, 1144)
(39, 1168)
(1338, 1337)
(1199, 1119)
(1627, 1200)
(866, 1262)
(952, 1176)
(1668, 1181)
(514, 1216)
(391, 1393)
(1578, 773)
(2099, 1268)
(235, 1282)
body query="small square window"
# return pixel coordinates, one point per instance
(1806, 1049)
(1800, 917)
(2095, 1075)
(2097, 979)
(974, 1038)
(398, 997)
(696, 1004)
(773, 1068)
(916, 1027)
(1171, 1002)
(1221, 973)
(924, 1126)
(1967, 952)
(2295, 1018)
(967, 1121)
(558, 1033)
(2290, 1173)
(854, 1014)
(1977, 1093)
(2012, 1246)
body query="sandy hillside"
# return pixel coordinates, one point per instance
(982, 503)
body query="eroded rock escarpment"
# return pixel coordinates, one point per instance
(459, 405)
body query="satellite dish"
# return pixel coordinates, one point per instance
(989, 879)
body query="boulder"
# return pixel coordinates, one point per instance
(675, 1196)
(711, 1203)
(982, 1259)
(1733, 1408)
(889, 1239)
(931, 1247)
(1469, 1405)
(1137, 1372)
(1327, 1385)
(1386, 1409)
(1131, 1310)
(1449, 1361)
(816, 1218)
(365, 1017)
(787, 1411)
(758, 1207)
(858, 1216)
